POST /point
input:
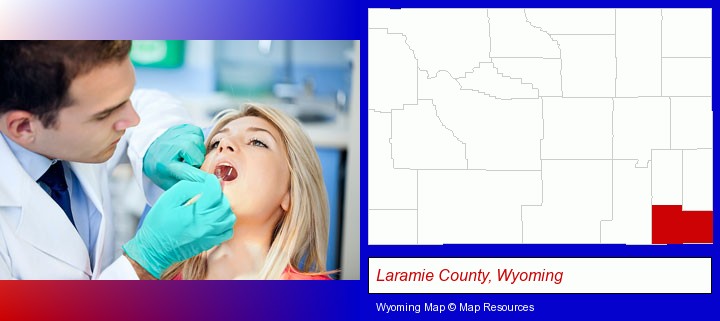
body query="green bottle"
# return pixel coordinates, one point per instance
(158, 53)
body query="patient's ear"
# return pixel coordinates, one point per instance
(286, 201)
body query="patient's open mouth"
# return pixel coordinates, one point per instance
(225, 172)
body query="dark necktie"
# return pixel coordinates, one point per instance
(54, 178)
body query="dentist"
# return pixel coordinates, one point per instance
(68, 116)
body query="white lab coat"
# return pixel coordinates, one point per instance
(37, 241)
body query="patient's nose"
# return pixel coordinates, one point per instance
(226, 146)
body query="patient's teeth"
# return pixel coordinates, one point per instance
(218, 172)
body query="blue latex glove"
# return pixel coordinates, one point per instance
(174, 156)
(173, 231)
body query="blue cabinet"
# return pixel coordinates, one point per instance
(332, 165)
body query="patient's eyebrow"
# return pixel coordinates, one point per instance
(221, 131)
(260, 129)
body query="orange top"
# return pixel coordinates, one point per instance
(291, 273)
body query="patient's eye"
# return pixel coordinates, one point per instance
(214, 144)
(257, 143)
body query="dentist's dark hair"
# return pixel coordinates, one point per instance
(35, 76)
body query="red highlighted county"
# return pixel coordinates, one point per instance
(672, 225)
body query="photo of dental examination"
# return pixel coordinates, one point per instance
(179, 160)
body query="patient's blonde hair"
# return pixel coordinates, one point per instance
(301, 235)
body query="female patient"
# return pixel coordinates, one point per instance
(271, 175)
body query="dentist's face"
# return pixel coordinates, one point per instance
(100, 110)
(250, 156)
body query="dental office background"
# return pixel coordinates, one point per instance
(315, 81)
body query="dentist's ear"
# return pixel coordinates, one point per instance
(19, 125)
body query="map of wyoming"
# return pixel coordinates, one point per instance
(540, 126)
